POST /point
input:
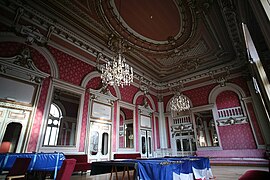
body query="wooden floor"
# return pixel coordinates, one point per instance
(220, 173)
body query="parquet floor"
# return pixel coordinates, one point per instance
(220, 173)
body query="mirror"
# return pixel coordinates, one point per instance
(62, 119)
(126, 134)
(206, 129)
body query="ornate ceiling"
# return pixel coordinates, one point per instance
(166, 41)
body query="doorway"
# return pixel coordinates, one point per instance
(13, 123)
(146, 143)
(185, 145)
(99, 142)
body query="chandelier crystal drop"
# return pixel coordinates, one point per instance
(117, 72)
(180, 103)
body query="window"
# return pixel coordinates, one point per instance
(53, 125)
(62, 120)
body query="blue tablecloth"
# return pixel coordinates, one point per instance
(184, 168)
(40, 161)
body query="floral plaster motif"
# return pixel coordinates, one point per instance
(227, 99)
(255, 124)
(71, 69)
(9, 49)
(140, 101)
(238, 136)
(128, 93)
(38, 116)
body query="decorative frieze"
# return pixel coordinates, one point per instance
(232, 121)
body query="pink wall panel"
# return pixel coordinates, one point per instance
(84, 121)
(241, 82)
(10, 49)
(157, 133)
(38, 116)
(238, 136)
(168, 132)
(155, 99)
(227, 99)
(128, 93)
(153, 133)
(137, 128)
(166, 100)
(199, 96)
(94, 83)
(255, 124)
(112, 90)
(71, 69)
(114, 129)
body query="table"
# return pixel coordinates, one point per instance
(114, 166)
(41, 162)
(157, 168)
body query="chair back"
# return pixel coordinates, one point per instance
(5, 146)
(19, 167)
(66, 169)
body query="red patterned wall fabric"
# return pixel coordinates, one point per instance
(153, 133)
(10, 49)
(155, 99)
(255, 124)
(71, 69)
(168, 132)
(241, 82)
(137, 128)
(199, 96)
(84, 121)
(112, 90)
(166, 100)
(227, 99)
(38, 116)
(94, 83)
(157, 134)
(238, 136)
(114, 128)
(128, 93)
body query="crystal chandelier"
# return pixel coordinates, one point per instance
(117, 72)
(180, 103)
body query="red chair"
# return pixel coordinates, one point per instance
(19, 169)
(66, 169)
(5, 146)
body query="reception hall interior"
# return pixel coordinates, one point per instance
(100, 89)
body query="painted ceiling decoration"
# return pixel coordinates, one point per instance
(165, 41)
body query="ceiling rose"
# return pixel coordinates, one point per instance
(157, 26)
